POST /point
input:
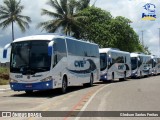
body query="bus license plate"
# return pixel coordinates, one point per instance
(28, 86)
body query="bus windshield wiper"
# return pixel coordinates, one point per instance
(41, 69)
(23, 66)
(25, 69)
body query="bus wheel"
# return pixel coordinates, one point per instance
(112, 77)
(155, 73)
(91, 81)
(140, 76)
(64, 85)
(29, 92)
(125, 78)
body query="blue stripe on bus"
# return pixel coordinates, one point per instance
(104, 77)
(32, 86)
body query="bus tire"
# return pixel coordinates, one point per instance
(155, 73)
(64, 85)
(140, 75)
(125, 78)
(29, 92)
(91, 80)
(112, 77)
(90, 84)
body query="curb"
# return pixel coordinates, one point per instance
(5, 90)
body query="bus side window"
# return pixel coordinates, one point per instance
(59, 49)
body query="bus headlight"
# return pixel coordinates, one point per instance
(134, 73)
(47, 79)
(13, 81)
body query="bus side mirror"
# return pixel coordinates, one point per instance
(5, 50)
(50, 48)
(109, 61)
(139, 63)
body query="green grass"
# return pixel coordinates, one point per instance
(4, 73)
(4, 70)
(4, 82)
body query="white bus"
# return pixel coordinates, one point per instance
(49, 61)
(155, 65)
(114, 64)
(141, 65)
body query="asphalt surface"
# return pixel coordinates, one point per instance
(122, 97)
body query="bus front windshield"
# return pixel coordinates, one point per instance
(134, 63)
(103, 61)
(30, 57)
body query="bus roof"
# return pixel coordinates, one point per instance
(137, 54)
(105, 50)
(49, 37)
(35, 37)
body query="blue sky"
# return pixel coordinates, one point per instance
(131, 9)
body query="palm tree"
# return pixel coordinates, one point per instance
(10, 13)
(65, 15)
(82, 4)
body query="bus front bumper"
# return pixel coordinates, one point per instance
(134, 75)
(32, 86)
(103, 77)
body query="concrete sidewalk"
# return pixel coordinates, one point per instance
(4, 88)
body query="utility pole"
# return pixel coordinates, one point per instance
(142, 38)
(159, 43)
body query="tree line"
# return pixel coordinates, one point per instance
(79, 19)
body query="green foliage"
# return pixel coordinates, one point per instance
(96, 27)
(101, 28)
(125, 37)
(4, 70)
(4, 76)
(10, 13)
(65, 16)
(4, 82)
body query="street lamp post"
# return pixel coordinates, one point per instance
(142, 38)
(159, 42)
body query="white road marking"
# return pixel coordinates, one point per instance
(87, 103)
